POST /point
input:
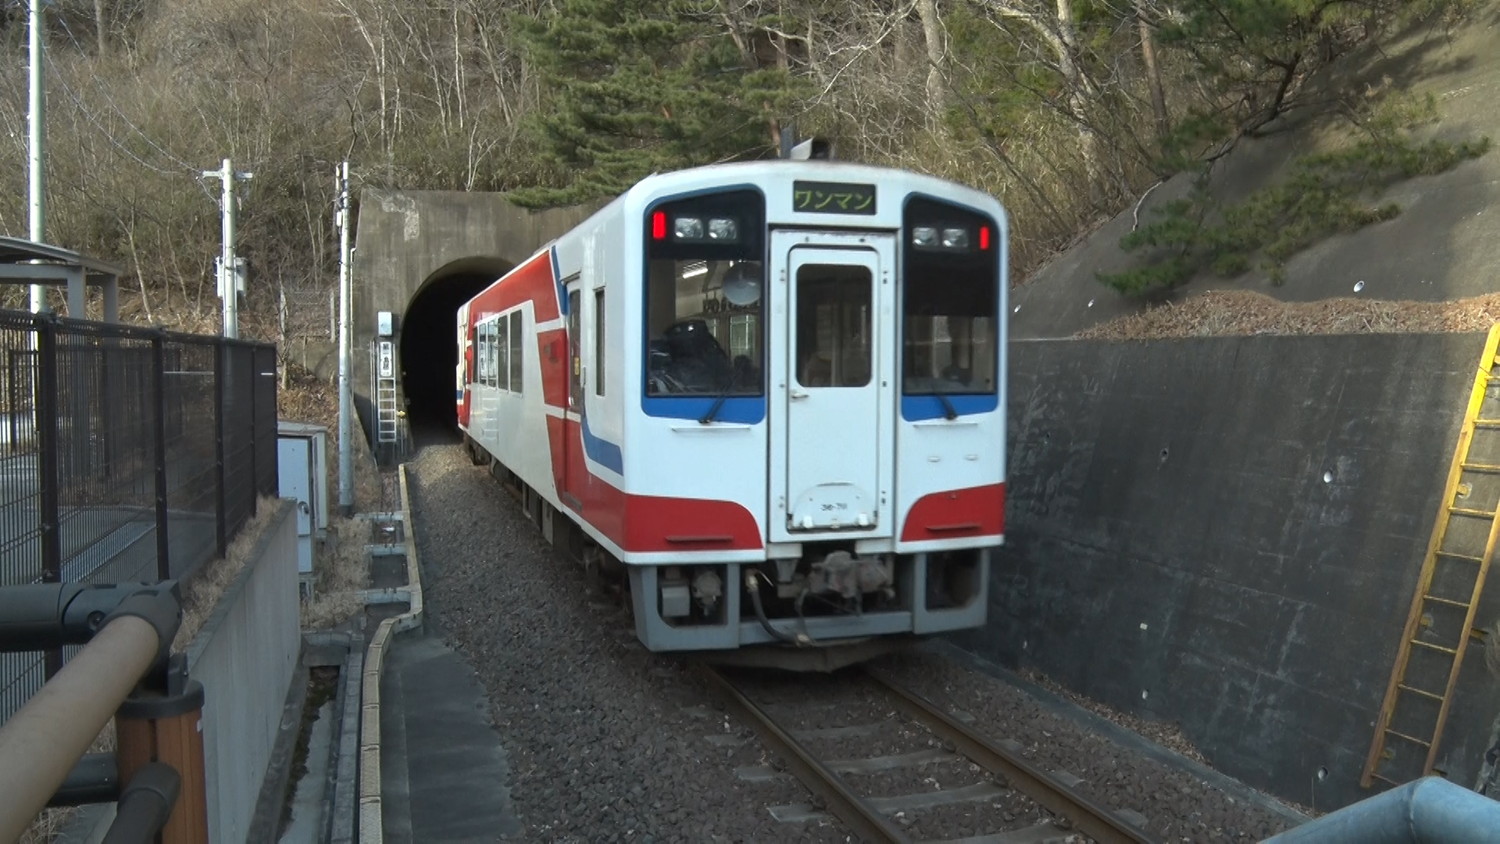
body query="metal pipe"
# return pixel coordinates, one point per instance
(41, 742)
(37, 146)
(1428, 809)
(145, 805)
(346, 400)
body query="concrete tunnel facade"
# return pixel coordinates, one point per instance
(418, 255)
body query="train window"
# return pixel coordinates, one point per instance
(575, 353)
(481, 354)
(833, 326)
(705, 314)
(704, 328)
(487, 354)
(502, 353)
(516, 355)
(949, 299)
(599, 342)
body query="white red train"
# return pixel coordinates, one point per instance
(773, 393)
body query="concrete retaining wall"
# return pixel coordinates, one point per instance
(245, 656)
(1226, 534)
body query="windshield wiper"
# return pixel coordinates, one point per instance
(949, 412)
(713, 409)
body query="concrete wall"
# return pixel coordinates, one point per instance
(408, 239)
(245, 656)
(1226, 534)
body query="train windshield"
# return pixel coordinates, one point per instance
(950, 298)
(704, 305)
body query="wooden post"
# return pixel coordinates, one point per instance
(168, 729)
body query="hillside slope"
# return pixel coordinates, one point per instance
(1444, 246)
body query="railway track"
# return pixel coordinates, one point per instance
(842, 788)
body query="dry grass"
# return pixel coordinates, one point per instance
(1231, 313)
(203, 590)
(343, 571)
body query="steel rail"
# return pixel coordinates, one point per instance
(1097, 821)
(861, 818)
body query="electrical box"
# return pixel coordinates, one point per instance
(302, 472)
(241, 272)
(385, 323)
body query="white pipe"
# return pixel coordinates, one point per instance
(346, 401)
(38, 140)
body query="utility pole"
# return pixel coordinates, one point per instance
(346, 401)
(37, 140)
(229, 270)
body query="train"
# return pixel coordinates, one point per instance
(768, 396)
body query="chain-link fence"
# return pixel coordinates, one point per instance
(308, 313)
(126, 455)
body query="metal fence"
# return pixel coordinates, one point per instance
(127, 454)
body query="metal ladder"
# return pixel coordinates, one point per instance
(385, 405)
(1419, 695)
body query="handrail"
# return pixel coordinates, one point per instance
(1428, 809)
(42, 741)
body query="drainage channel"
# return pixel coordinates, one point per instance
(395, 573)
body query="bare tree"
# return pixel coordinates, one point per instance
(1057, 46)
(1153, 73)
(932, 37)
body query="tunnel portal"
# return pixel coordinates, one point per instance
(429, 347)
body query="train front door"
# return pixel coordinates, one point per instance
(834, 396)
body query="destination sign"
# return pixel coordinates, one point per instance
(833, 198)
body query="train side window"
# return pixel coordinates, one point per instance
(575, 352)
(517, 355)
(599, 342)
(487, 354)
(502, 353)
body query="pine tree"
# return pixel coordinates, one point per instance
(632, 87)
(1260, 52)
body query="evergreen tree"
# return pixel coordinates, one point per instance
(632, 87)
(1258, 53)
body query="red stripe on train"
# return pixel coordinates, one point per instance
(644, 523)
(976, 511)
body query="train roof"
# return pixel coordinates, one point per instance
(780, 174)
(782, 171)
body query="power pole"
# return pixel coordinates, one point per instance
(37, 140)
(229, 268)
(346, 401)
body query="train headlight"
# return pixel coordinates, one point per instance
(723, 228)
(687, 228)
(947, 238)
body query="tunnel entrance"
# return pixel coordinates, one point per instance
(429, 348)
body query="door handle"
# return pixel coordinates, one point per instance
(798, 394)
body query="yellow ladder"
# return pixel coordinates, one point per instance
(1419, 694)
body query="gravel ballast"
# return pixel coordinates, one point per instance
(608, 742)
